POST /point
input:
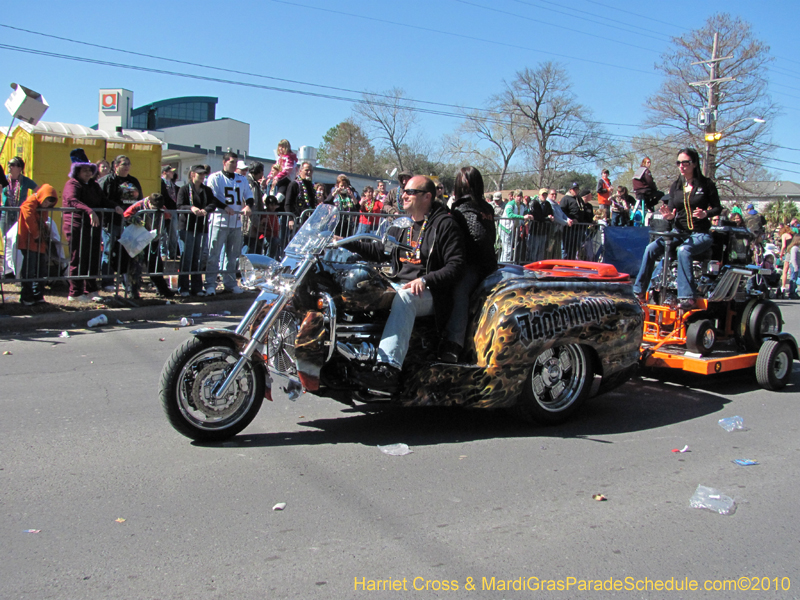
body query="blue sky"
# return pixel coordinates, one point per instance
(453, 51)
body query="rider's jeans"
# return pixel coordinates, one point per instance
(406, 307)
(697, 243)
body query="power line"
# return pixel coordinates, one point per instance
(614, 22)
(461, 35)
(518, 16)
(212, 67)
(270, 77)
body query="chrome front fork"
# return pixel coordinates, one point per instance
(260, 334)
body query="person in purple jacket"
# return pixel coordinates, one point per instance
(81, 226)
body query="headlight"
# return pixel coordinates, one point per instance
(256, 269)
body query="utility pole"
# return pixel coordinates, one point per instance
(711, 134)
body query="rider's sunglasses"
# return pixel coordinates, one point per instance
(413, 192)
(684, 163)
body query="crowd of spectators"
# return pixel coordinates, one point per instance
(207, 222)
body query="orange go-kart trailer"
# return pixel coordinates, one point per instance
(717, 337)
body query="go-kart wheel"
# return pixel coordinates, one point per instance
(774, 365)
(765, 318)
(559, 382)
(740, 321)
(700, 337)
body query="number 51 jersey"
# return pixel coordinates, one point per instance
(233, 191)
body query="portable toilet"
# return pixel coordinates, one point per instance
(45, 148)
(144, 150)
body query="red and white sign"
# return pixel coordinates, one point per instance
(109, 102)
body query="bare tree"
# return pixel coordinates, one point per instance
(389, 118)
(346, 147)
(561, 132)
(673, 110)
(489, 140)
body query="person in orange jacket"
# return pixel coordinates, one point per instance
(33, 241)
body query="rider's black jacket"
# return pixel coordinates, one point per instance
(442, 255)
(704, 195)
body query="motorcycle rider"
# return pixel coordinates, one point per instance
(424, 278)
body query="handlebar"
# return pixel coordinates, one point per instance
(389, 242)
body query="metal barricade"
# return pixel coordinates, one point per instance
(84, 252)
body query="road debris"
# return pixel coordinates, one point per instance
(732, 423)
(279, 506)
(682, 450)
(599, 497)
(98, 321)
(744, 462)
(714, 500)
(395, 449)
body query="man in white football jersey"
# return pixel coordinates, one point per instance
(225, 227)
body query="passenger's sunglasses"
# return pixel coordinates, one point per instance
(413, 192)
(684, 163)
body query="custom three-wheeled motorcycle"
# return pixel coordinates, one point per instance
(541, 339)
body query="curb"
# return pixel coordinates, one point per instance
(78, 319)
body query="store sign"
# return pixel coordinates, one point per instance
(109, 102)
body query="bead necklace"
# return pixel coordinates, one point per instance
(687, 207)
(416, 258)
(305, 202)
(14, 191)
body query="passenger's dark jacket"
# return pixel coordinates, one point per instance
(704, 195)
(442, 253)
(477, 222)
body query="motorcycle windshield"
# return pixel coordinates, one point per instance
(316, 232)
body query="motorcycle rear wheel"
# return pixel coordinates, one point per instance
(186, 385)
(558, 384)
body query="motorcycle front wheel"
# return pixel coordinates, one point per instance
(186, 390)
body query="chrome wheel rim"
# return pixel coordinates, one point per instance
(708, 338)
(558, 376)
(770, 324)
(196, 383)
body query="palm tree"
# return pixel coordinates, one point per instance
(780, 212)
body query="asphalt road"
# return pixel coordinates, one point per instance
(85, 445)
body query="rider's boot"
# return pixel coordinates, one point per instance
(383, 377)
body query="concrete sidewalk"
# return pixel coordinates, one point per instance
(19, 324)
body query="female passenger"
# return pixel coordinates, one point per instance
(476, 217)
